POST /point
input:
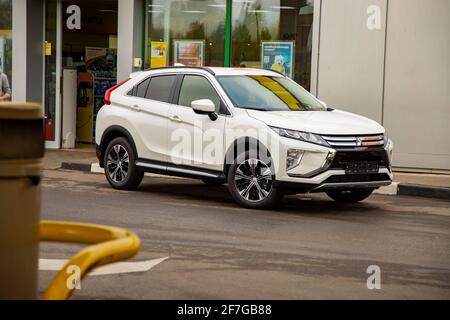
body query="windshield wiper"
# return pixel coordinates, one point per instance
(255, 108)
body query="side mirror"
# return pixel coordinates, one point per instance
(206, 107)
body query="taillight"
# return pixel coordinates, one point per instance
(110, 90)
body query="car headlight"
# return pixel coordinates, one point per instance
(302, 136)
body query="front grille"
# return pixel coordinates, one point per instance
(355, 141)
(345, 159)
(358, 178)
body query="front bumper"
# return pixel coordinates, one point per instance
(316, 173)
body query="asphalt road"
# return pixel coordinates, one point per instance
(309, 248)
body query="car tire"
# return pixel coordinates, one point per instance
(250, 182)
(119, 163)
(213, 182)
(350, 196)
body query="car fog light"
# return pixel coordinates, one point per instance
(293, 158)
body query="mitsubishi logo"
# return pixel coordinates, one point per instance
(359, 142)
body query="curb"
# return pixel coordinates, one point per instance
(76, 166)
(423, 191)
(396, 188)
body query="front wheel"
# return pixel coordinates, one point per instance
(350, 196)
(119, 164)
(250, 183)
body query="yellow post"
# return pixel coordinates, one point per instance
(110, 244)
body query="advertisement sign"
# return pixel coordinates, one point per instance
(189, 52)
(278, 56)
(158, 54)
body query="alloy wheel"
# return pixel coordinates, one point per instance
(253, 180)
(118, 163)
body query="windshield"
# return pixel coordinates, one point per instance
(268, 94)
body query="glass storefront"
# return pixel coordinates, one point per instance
(50, 69)
(191, 32)
(6, 38)
(264, 31)
(82, 55)
(274, 34)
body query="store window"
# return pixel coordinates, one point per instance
(50, 69)
(190, 32)
(6, 38)
(274, 34)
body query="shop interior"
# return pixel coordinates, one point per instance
(89, 66)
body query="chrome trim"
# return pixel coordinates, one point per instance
(337, 138)
(352, 185)
(192, 172)
(325, 166)
(173, 169)
(355, 141)
(151, 166)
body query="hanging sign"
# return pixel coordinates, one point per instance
(158, 57)
(189, 52)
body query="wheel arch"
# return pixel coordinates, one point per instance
(110, 134)
(244, 144)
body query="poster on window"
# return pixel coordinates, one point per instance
(158, 57)
(189, 52)
(278, 56)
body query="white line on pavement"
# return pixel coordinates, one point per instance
(113, 268)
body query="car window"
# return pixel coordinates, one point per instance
(196, 88)
(160, 88)
(267, 93)
(141, 89)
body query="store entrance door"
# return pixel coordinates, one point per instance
(81, 64)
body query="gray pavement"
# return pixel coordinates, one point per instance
(308, 248)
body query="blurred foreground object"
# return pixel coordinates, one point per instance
(109, 244)
(21, 153)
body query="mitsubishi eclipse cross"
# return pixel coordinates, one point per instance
(255, 130)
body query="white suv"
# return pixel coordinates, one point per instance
(256, 130)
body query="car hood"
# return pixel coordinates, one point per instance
(321, 122)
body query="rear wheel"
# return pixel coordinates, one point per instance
(250, 182)
(350, 196)
(119, 164)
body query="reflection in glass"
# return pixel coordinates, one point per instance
(6, 38)
(50, 69)
(255, 21)
(265, 93)
(199, 21)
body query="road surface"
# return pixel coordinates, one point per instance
(308, 248)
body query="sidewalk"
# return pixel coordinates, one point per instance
(411, 184)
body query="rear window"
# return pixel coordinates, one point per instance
(160, 88)
(141, 89)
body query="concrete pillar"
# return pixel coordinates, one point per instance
(129, 37)
(28, 50)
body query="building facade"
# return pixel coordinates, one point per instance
(385, 59)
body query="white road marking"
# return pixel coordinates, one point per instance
(113, 268)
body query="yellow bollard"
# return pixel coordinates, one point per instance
(110, 244)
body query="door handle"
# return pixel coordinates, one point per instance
(135, 107)
(175, 119)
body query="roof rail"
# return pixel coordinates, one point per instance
(209, 70)
(280, 73)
